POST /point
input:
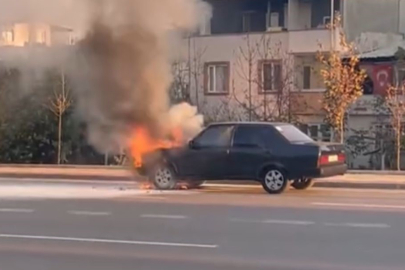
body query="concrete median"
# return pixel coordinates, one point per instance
(353, 179)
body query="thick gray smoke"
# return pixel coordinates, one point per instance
(121, 68)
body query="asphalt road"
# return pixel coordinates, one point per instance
(48, 226)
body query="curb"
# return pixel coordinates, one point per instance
(320, 183)
(376, 172)
(331, 184)
(117, 167)
(353, 185)
(66, 177)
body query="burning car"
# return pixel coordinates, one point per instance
(275, 154)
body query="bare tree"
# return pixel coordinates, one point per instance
(59, 104)
(180, 88)
(254, 62)
(376, 142)
(196, 70)
(343, 80)
(395, 101)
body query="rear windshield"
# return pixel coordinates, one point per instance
(293, 134)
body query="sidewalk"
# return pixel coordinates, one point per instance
(354, 179)
(366, 181)
(65, 172)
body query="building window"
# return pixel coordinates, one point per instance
(43, 37)
(217, 78)
(318, 132)
(306, 77)
(270, 75)
(8, 35)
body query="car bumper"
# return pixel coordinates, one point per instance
(142, 171)
(330, 171)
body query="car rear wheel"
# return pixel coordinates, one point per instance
(303, 183)
(164, 177)
(275, 181)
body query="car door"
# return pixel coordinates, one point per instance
(206, 157)
(249, 151)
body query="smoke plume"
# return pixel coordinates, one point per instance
(121, 67)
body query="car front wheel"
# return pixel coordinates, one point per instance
(275, 181)
(164, 178)
(303, 183)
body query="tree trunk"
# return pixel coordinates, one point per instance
(195, 71)
(106, 159)
(250, 60)
(341, 131)
(383, 162)
(398, 143)
(250, 90)
(289, 107)
(59, 138)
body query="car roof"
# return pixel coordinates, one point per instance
(275, 124)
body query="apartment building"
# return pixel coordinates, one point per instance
(24, 34)
(251, 50)
(285, 35)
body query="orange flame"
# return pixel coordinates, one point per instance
(142, 143)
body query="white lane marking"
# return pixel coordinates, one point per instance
(163, 216)
(360, 205)
(275, 221)
(289, 222)
(359, 225)
(151, 198)
(245, 220)
(89, 213)
(16, 210)
(107, 241)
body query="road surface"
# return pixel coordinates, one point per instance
(99, 225)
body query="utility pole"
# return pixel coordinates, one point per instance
(189, 67)
(332, 24)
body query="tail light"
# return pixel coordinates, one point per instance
(327, 159)
(323, 159)
(342, 157)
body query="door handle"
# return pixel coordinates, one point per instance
(227, 152)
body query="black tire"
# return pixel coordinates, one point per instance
(303, 183)
(163, 177)
(194, 184)
(275, 181)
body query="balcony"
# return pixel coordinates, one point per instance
(312, 40)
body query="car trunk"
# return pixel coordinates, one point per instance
(331, 153)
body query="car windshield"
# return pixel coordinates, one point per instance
(293, 134)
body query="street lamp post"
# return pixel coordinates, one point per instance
(332, 21)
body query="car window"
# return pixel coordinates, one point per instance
(250, 136)
(293, 134)
(215, 136)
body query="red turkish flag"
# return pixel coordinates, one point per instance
(382, 78)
